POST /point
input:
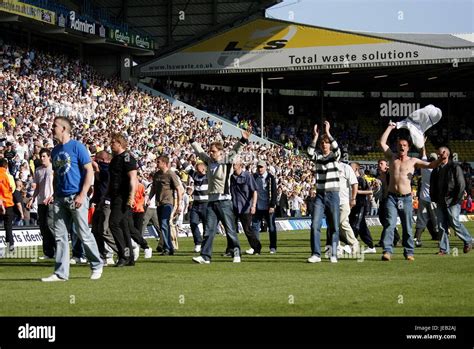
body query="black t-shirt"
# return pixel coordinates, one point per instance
(36, 162)
(361, 200)
(120, 166)
(17, 198)
(9, 155)
(101, 183)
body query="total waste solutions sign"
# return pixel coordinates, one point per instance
(272, 45)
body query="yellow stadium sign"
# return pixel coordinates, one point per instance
(267, 35)
(272, 45)
(27, 10)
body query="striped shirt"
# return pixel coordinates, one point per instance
(200, 186)
(327, 176)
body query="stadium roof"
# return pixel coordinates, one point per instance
(446, 41)
(173, 23)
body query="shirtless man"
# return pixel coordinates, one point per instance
(399, 200)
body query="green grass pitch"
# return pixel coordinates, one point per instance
(267, 285)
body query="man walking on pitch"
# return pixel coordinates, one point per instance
(73, 175)
(219, 207)
(44, 193)
(447, 187)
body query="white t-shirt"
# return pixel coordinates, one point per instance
(425, 182)
(295, 203)
(21, 150)
(347, 178)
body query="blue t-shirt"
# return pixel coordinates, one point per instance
(68, 165)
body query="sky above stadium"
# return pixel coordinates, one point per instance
(389, 16)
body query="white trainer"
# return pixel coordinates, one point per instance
(200, 260)
(314, 259)
(273, 251)
(45, 257)
(250, 251)
(52, 278)
(136, 252)
(370, 250)
(96, 274)
(77, 260)
(347, 249)
(236, 259)
(109, 261)
(333, 259)
(197, 248)
(148, 252)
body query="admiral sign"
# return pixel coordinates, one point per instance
(83, 25)
(62, 20)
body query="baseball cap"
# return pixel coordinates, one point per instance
(261, 163)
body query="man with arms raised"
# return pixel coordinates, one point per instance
(399, 200)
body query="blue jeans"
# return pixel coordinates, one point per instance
(295, 213)
(449, 216)
(64, 215)
(219, 211)
(196, 215)
(326, 203)
(403, 206)
(270, 219)
(76, 243)
(164, 217)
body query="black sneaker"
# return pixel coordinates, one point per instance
(167, 253)
(227, 254)
(121, 263)
(159, 249)
(467, 248)
(418, 243)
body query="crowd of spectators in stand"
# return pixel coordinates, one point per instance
(37, 86)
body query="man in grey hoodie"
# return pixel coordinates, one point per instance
(219, 207)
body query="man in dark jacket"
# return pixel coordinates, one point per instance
(266, 203)
(282, 203)
(447, 187)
